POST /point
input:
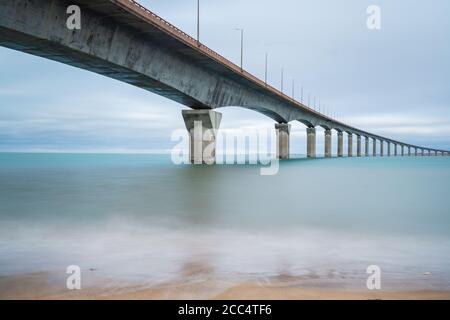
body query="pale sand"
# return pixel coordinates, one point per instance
(40, 286)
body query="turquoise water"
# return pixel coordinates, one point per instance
(140, 217)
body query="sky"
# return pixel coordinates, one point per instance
(393, 82)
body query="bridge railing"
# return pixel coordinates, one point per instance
(181, 35)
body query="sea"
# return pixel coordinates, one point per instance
(140, 218)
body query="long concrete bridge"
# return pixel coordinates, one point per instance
(123, 40)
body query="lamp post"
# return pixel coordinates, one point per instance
(198, 22)
(242, 47)
(265, 72)
(293, 89)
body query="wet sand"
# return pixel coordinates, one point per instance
(42, 286)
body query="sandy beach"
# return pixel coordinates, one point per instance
(41, 286)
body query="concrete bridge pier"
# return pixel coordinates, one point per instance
(358, 146)
(202, 126)
(350, 144)
(328, 139)
(311, 142)
(435, 153)
(395, 150)
(283, 131)
(416, 152)
(374, 152)
(381, 148)
(409, 151)
(367, 146)
(340, 144)
(403, 150)
(388, 149)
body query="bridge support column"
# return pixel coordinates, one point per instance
(422, 153)
(403, 151)
(415, 152)
(283, 131)
(409, 151)
(340, 144)
(202, 126)
(374, 152)
(435, 153)
(358, 146)
(381, 148)
(395, 150)
(328, 140)
(350, 144)
(311, 142)
(366, 146)
(388, 149)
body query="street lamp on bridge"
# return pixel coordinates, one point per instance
(242, 47)
(198, 21)
(265, 73)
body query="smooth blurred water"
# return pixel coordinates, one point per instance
(141, 217)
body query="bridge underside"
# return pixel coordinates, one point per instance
(116, 44)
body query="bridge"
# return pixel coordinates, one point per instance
(123, 40)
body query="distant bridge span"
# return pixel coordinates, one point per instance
(123, 40)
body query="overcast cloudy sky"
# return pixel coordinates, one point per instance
(394, 81)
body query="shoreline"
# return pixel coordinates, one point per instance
(41, 286)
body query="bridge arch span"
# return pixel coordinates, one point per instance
(261, 110)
